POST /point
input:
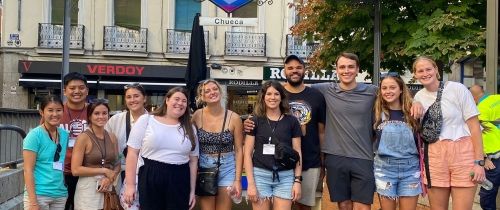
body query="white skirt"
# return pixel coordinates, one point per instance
(86, 195)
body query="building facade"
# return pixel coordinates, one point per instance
(116, 42)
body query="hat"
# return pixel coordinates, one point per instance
(294, 57)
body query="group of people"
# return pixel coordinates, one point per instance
(363, 138)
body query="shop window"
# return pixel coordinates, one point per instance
(128, 13)
(185, 10)
(57, 13)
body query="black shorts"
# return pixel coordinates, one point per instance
(350, 179)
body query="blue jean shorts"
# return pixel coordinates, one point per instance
(397, 177)
(227, 170)
(267, 188)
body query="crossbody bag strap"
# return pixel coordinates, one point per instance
(440, 91)
(127, 126)
(220, 138)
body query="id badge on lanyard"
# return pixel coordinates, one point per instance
(268, 148)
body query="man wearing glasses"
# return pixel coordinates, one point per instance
(74, 120)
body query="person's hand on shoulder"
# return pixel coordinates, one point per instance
(248, 124)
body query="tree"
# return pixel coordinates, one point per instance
(443, 29)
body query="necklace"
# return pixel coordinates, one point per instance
(103, 155)
(79, 114)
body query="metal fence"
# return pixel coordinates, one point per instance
(124, 39)
(51, 36)
(245, 44)
(179, 41)
(297, 46)
(13, 124)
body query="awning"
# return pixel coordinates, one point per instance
(116, 85)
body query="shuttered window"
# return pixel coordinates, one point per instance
(128, 13)
(185, 10)
(57, 15)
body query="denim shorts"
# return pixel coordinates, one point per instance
(397, 177)
(267, 188)
(227, 170)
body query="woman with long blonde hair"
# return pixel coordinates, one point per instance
(209, 121)
(396, 162)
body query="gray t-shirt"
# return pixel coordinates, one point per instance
(349, 119)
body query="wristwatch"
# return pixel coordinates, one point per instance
(479, 162)
(299, 178)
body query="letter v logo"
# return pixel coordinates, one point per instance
(27, 65)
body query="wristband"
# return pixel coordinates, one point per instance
(297, 181)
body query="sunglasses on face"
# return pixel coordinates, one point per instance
(133, 85)
(57, 155)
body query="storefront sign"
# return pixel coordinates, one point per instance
(278, 73)
(102, 69)
(237, 82)
(219, 21)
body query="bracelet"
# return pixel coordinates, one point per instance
(297, 181)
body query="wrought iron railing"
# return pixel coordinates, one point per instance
(118, 38)
(51, 36)
(178, 41)
(298, 46)
(246, 44)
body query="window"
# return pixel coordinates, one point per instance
(247, 11)
(185, 10)
(57, 13)
(128, 13)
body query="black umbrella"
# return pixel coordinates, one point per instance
(197, 64)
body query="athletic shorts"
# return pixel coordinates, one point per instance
(349, 179)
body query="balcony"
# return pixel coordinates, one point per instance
(51, 36)
(245, 44)
(298, 46)
(178, 41)
(117, 38)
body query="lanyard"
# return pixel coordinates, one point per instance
(79, 114)
(272, 129)
(50, 136)
(103, 155)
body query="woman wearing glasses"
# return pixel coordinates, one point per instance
(213, 140)
(121, 124)
(166, 141)
(43, 151)
(95, 159)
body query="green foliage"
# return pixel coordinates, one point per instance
(444, 29)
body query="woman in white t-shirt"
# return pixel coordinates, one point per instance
(455, 160)
(166, 141)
